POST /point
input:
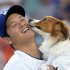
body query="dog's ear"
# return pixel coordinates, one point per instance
(60, 27)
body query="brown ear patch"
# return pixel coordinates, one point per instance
(60, 27)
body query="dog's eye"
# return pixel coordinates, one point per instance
(44, 19)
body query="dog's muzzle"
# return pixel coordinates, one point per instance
(32, 22)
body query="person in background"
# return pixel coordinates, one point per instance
(46, 8)
(30, 7)
(6, 4)
(37, 9)
(64, 11)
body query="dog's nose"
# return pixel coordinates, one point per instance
(30, 20)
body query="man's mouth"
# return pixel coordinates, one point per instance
(26, 29)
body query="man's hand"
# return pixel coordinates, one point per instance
(47, 67)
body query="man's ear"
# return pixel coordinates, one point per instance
(8, 40)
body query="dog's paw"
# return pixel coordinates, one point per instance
(45, 67)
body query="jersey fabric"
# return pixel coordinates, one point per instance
(23, 61)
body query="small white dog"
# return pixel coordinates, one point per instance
(56, 44)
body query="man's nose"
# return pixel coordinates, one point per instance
(22, 25)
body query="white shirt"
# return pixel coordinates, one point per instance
(22, 61)
(62, 62)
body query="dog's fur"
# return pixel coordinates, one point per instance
(56, 39)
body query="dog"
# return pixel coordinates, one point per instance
(56, 44)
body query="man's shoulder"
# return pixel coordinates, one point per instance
(15, 66)
(14, 63)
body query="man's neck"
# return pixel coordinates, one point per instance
(30, 49)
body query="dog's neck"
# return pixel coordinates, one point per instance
(48, 42)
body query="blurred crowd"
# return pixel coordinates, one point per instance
(35, 9)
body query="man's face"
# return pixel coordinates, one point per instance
(18, 29)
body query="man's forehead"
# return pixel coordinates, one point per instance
(13, 16)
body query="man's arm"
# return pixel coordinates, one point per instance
(48, 67)
(52, 68)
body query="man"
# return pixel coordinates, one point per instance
(22, 38)
(20, 35)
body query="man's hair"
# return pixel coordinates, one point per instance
(14, 9)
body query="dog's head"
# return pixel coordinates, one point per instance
(51, 25)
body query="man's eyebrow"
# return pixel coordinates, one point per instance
(20, 16)
(11, 22)
(14, 21)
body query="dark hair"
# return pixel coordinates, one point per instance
(14, 9)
